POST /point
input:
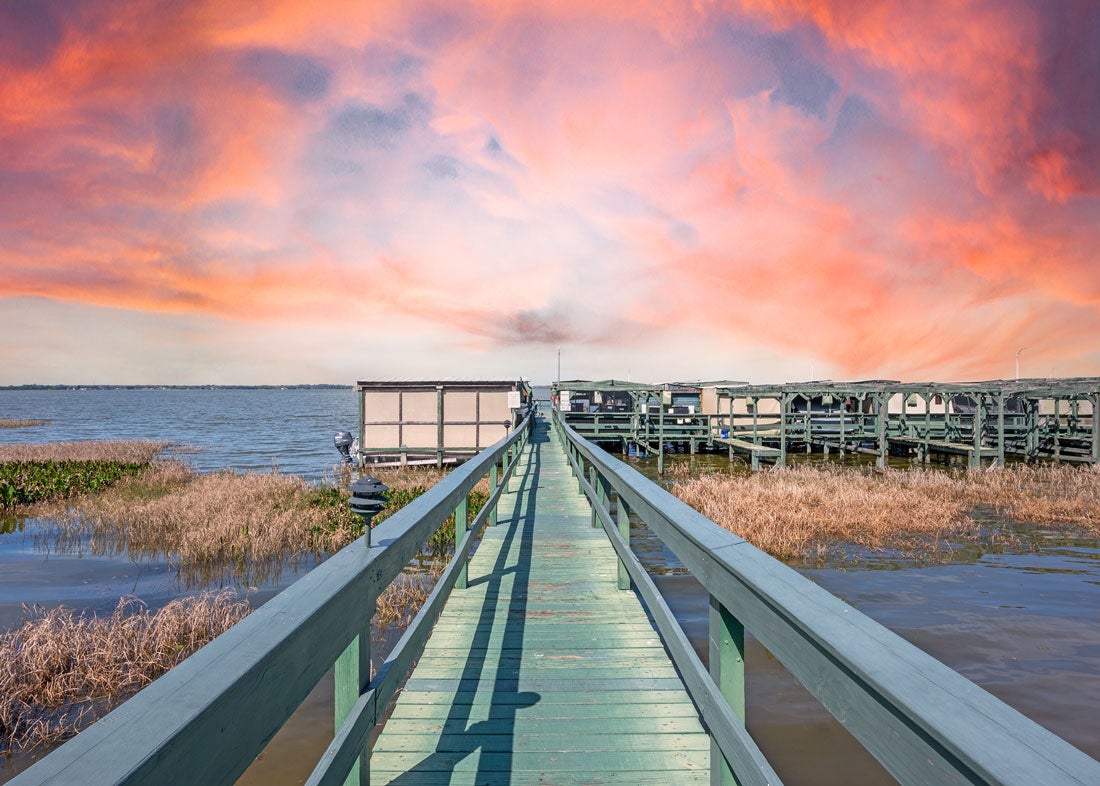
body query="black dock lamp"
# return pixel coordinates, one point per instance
(367, 500)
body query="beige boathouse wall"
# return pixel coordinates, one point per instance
(406, 416)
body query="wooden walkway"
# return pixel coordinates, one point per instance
(542, 671)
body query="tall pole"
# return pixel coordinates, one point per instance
(559, 366)
(1018, 351)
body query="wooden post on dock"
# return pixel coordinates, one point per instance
(842, 429)
(594, 482)
(661, 439)
(1031, 442)
(622, 518)
(493, 485)
(755, 431)
(809, 427)
(1001, 428)
(462, 531)
(928, 424)
(727, 669)
(784, 407)
(881, 416)
(351, 676)
(1095, 401)
(439, 426)
(979, 418)
(1057, 428)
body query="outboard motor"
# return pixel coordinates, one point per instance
(343, 442)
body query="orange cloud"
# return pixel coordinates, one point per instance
(871, 184)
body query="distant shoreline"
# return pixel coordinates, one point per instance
(176, 387)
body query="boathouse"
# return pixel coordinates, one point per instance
(405, 421)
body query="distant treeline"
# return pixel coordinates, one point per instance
(175, 387)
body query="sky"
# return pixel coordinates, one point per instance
(276, 192)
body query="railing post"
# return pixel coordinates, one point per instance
(784, 404)
(882, 417)
(727, 668)
(661, 440)
(462, 531)
(493, 478)
(622, 518)
(592, 481)
(1095, 452)
(979, 410)
(1001, 428)
(351, 676)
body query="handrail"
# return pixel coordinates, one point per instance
(207, 719)
(924, 722)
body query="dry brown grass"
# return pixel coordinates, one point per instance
(402, 478)
(17, 423)
(211, 525)
(251, 522)
(400, 601)
(122, 451)
(60, 671)
(807, 512)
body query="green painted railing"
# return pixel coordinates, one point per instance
(924, 722)
(208, 718)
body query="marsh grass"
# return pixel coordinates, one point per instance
(26, 423)
(60, 671)
(31, 474)
(122, 451)
(251, 524)
(225, 524)
(923, 514)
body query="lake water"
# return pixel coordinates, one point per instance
(243, 429)
(1025, 625)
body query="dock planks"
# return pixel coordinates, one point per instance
(542, 671)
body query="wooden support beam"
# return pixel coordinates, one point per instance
(1095, 399)
(351, 676)
(881, 416)
(727, 669)
(439, 426)
(493, 485)
(784, 413)
(979, 413)
(462, 531)
(622, 519)
(1001, 429)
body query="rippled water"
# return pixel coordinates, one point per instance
(248, 430)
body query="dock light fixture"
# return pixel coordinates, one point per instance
(367, 500)
(1018, 351)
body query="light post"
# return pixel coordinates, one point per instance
(1018, 351)
(367, 501)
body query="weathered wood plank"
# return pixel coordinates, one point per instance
(542, 667)
(924, 722)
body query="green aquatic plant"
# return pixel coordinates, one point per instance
(29, 482)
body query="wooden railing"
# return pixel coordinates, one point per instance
(208, 718)
(924, 722)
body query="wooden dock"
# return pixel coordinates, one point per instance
(535, 662)
(542, 670)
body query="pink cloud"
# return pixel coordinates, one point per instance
(871, 184)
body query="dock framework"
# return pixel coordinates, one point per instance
(980, 423)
